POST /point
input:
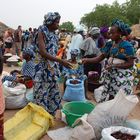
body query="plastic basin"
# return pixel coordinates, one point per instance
(76, 109)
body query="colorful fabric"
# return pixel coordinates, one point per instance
(28, 69)
(123, 50)
(46, 91)
(29, 51)
(79, 72)
(114, 80)
(51, 17)
(125, 29)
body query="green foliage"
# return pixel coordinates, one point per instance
(68, 26)
(104, 14)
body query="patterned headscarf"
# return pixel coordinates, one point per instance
(74, 52)
(104, 29)
(50, 17)
(29, 51)
(125, 29)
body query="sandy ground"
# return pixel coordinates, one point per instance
(135, 114)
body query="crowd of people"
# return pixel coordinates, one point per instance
(111, 51)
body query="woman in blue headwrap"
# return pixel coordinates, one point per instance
(120, 54)
(46, 91)
(27, 71)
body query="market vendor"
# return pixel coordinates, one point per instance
(77, 71)
(27, 71)
(118, 73)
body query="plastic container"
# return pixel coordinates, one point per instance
(76, 109)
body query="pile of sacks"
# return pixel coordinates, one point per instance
(106, 118)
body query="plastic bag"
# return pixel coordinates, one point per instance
(112, 113)
(30, 123)
(74, 92)
(29, 95)
(15, 102)
(106, 133)
(14, 97)
(17, 90)
(98, 93)
(134, 124)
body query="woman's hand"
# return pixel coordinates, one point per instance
(85, 60)
(66, 64)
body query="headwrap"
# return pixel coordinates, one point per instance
(104, 29)
(74, 52)
(29, 51)
(125, 29)
(79, 28)
(94, 30)
(50, 17)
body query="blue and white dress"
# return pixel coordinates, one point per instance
(28, 70)
(46, 91)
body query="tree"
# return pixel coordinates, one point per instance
(133, 11)
(68, 26)
(104, 14)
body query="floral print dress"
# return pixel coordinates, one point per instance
(116, 78)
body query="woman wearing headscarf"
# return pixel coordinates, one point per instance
(104, 36)
(27, 71)
(120, 54)
(46, 91)
(90, 50)
(77, 71)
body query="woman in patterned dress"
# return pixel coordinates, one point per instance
(27, 71)
(77, 71)
(46, 91)
(120, 54)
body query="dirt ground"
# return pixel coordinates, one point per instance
(135, 114)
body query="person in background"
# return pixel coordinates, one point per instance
(76, 41)
(2, 45)
(118, 72)
(104, 31)
(30, 37)
(2, 103)
(90, 50)
(17, 41)
(46, 91)
(8, 41)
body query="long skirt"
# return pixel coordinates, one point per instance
(46, 94)
(114, 80)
